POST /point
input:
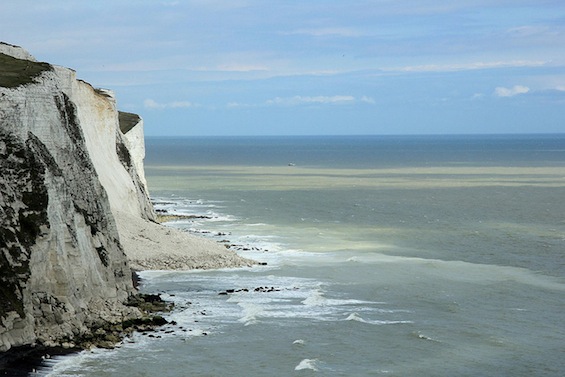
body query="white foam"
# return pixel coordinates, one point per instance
(250, 313)
(216, 217)
(356, 317)
(191, 207)
(315, 299)
(425, 337)
(299, 342)
(255, 297)
(307, 364)
(253, 240)
(66, 365)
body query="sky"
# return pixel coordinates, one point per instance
(294, 67)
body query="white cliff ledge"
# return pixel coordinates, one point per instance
(75, 212)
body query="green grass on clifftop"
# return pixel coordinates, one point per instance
(127, 121)
(15, 72)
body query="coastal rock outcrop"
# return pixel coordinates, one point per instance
(65, 167)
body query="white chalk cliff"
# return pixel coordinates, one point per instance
(75, 213)
(65, 168)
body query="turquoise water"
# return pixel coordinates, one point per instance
(396, 256)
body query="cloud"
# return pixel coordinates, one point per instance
(324, 100)
(297, 100)
(330, 31)
(528, 31)
(241, 68)
(367, 100)
(510, 92)
(304, 101)
(469, 66)
(239, 105)
(151, 104)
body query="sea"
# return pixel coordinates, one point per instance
(385, 256)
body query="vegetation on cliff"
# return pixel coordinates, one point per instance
(16, 72)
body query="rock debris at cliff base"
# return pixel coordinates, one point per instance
(151, 246)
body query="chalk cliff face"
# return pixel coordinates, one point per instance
(65, 168)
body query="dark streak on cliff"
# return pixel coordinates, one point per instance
(23, 182)
(123, 154)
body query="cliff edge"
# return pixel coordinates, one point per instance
(63, 270)
(75, 212)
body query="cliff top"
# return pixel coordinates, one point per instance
(15, 72)
(16, 52)
(127, 121)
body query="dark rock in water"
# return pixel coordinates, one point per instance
(108, 335)
(146, 323)
(258, 289)
(149, 303)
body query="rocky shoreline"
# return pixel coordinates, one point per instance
(25, 360)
